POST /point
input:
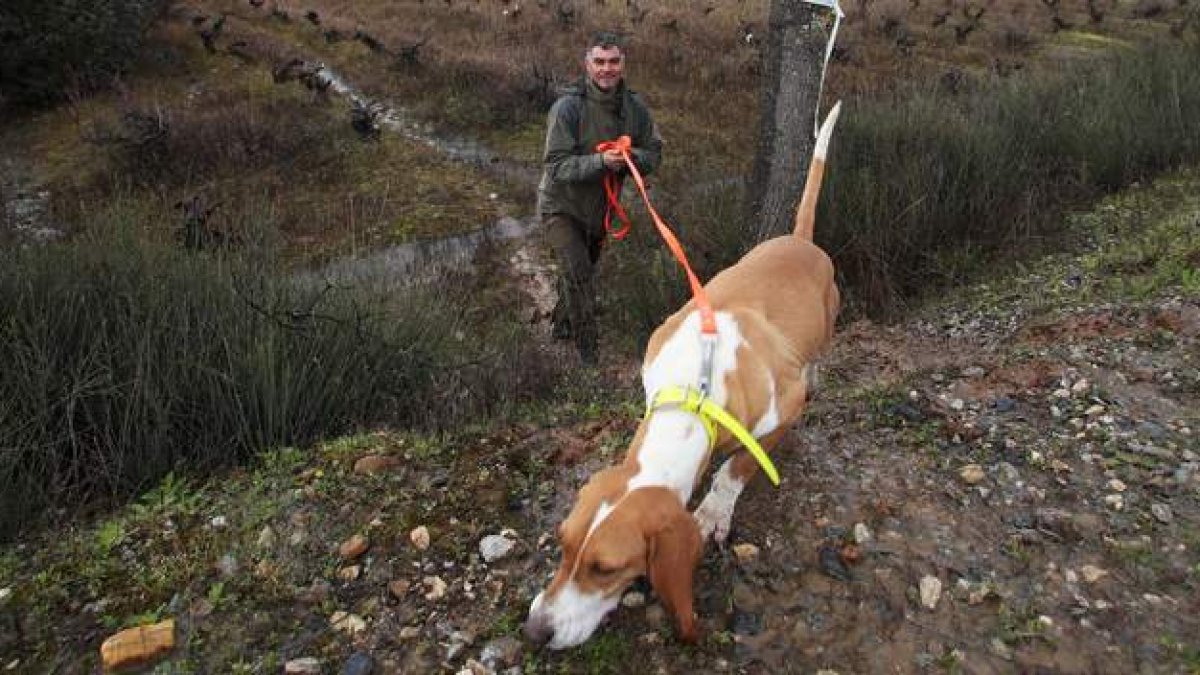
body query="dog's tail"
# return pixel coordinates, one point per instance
(806, 214)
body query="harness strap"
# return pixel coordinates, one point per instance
(692, 401)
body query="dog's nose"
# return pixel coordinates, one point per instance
(538, 629)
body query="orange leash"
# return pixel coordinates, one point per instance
(708, 321)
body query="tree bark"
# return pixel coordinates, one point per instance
(792, 64)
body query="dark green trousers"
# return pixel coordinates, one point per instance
(578, 246)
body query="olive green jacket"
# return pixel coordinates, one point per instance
(573, 172)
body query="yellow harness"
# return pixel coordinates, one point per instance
(710, 415)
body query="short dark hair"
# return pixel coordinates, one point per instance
(606, 39)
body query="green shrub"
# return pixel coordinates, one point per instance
(924, 189)
(124, 360)
(53, 48)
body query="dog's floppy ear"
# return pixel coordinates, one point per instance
(673, 551)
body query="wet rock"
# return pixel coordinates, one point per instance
(435, 588)
(746, 623)
(999, 648)
(1004, 404)
(353, 547)
(495, 546)
(830, 560)
(317, 593)
(1007, 473)
(266, 538)
(138, 646)
(1152, 430)
(359, 663)
(981, 594)
(1162, 513)
(656, 616)
(459, 641)
(745, 553)
(419, 538)
(348, 623)
(228, 566)
(399, 588)
(851, 554)
(833, 532)
(931, 591)
(746, 598)
(650, 639)
(307, 665)
(374, 464)
(505, 652)
(1183, 475)
(972, 474)
(473, 667)
(1092, 574)
(1069, 526)
(906, 412)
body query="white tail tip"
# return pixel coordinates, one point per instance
(826, 132)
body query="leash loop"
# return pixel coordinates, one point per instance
(624, 145)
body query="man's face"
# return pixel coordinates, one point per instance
(605, 66)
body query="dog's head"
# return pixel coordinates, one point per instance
(612, 537)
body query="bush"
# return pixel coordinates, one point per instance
(54, 48)
(124, 360)
(924, 189)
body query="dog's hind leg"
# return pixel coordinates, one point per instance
(714, 516)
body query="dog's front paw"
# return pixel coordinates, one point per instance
(713, 520)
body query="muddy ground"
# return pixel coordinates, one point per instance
(1038, 459)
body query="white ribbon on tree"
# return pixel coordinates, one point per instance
(838, 15)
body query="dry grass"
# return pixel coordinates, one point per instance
(485, 69)
(277, 157)
(269, 155)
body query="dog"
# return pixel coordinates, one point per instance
(775, 311)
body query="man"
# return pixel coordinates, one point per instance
(571, 197)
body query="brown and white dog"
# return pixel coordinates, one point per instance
(775, 311)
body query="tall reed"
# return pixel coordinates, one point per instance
(926, 187)
(123, 360)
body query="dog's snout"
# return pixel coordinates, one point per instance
(538, 629)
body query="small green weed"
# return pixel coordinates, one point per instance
(109, 536)
(606, 653)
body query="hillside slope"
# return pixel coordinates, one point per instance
(1029, 443)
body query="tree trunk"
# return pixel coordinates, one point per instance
(792, 63)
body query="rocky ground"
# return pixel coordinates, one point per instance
(1008, 481)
